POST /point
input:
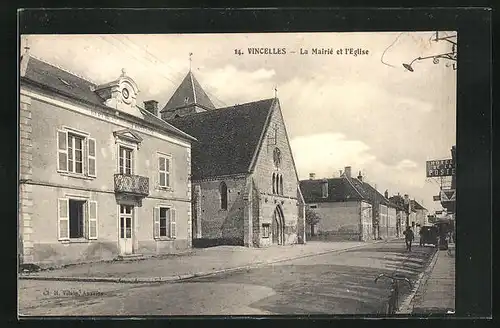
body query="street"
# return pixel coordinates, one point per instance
(334, 283)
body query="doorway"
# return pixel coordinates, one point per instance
(278, 227)
(126, 227)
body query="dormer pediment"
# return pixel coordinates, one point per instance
(120, 94)
(128, 136)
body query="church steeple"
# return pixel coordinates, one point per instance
(189, 98)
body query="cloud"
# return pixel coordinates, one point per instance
(237, 85)
(325, 154)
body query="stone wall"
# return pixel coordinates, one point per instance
(25, 227)
(218, 223)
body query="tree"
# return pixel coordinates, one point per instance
(312, 218)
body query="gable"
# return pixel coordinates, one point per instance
(275, 136)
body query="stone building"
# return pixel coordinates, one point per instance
(343, 205)
(350, 208)
(244, 179)
(100, 176)
(421, 213)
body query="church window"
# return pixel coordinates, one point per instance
(274, 183)
(223, 196)
(277, 157)
(281, 185)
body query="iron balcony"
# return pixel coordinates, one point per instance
(131, 184)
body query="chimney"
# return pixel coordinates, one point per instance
(24, 60)
(347, 171)
(360, 177)
(151, 106)
(386, 194)
(312, 176)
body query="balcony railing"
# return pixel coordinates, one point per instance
(132, 184)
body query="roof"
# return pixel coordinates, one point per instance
(339, 189)
(342, 189)
(224, 135)
(70, 85)
(189, 92)
(416, 205)
(375, 194)
(398, 201)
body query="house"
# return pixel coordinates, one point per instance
(389, 221)
(421, 212)
(384, 214)
(343, 205)
(100, 176)
(244, 179)
(399, 204)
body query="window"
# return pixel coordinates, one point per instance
(223, 196)
(277, 157)
(164, 223)
(281, 185)
(76, 153)
(313, 206)
(164, 171)
(324, 189)
(277, 184)
(125, 160)
(265, 230)
(77, 219)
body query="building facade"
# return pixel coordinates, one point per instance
(100, 177)
(343, 207)
(245, 183)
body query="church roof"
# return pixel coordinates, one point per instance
(189, 92)
(227, 137)
(55, 79)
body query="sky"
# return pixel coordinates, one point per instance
(365, 111)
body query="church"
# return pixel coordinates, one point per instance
(245, 187)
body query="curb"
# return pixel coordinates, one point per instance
(176, 278)
(406, 306)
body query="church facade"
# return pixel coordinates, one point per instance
(245, 187)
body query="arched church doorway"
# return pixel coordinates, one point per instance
(278, 226)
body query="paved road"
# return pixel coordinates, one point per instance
(340, 283)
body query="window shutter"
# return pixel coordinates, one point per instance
(173, 230)
(167, 174)
(63, 218)
(62, 150)
(92, 219)
(156, 222)
(91, 157)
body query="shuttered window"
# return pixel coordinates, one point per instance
(91, 157)
(77, 219)
(76, 153)
(63, 218)
(62, 150)
(164, 223)
(92, 220)
(164, 164)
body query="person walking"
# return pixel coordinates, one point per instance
(409, 236)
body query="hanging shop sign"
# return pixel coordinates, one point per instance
(440, 168)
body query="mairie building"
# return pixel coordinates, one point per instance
(100, 176)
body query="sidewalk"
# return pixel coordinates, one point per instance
(199, 262)
(436, 294)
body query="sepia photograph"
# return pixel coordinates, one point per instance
(223, 174)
